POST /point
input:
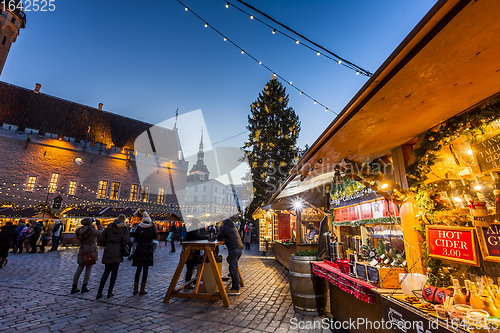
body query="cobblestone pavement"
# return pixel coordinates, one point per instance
(35, 296)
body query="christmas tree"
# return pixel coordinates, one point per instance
(271, 148)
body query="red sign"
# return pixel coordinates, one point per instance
(452, 243)
(366, 210)
(354, 213)
(283, 226)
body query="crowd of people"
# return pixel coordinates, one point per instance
(138, 243)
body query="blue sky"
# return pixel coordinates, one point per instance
(145, 59)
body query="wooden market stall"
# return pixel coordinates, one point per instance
(422, 139)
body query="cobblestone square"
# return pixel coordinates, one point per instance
(35, 297)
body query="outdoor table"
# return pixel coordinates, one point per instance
(209, 248)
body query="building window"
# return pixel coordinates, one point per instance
(103, 188)
(196, 188)
(53, 182)
(30, 185)
(115, 191)
(4, 40)
(204, 188)
(195, 198)
(72, 187)
(144, 193)
(215, 189)
(133, 192)
(161, 195)
(204, 199)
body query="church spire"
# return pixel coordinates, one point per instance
(201, 141)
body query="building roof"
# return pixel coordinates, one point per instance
(27, 109)
(447, 65)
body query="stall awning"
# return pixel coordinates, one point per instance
(22, 212)
(448, 64)
(115, 211)
(170, 216)
(85, 211)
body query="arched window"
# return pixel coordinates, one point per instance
(4, 40)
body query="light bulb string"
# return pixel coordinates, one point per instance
(256, 60)
(330, 55)
(343, 61)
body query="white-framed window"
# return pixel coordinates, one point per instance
(30, 184)
(204, 188)
(215, 189)
(195, 198)
(53, 182)
(102, 190)
(115, 191)
(72, 187)
(204, 198)
(144, 193)
(196, 188)
(134, 190)
(161, 195)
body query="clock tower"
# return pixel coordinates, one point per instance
(12, 20)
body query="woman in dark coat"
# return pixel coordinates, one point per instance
(143, 255)
(8, 237)
(113, 236)
(87, 235)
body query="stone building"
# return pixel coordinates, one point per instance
(12, 20)
(51, 148)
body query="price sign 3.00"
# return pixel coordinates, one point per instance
(452, 243)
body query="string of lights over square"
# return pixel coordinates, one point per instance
(226, 39)
(329, 54)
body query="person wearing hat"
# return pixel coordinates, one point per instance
(8, 238)
(87, 255)
(115, 234)
(144, 253)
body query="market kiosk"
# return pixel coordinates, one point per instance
(423, 136)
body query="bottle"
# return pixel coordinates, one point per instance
(488, 292)
(467, 293)
(475, 301)
(458, 296)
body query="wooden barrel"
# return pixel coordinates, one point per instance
(309, 292)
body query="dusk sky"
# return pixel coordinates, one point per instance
(145, 59)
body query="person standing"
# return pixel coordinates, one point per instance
(143, 255)
(114, 236)
(56, 233)
(197, 232)
(8, 237)
(173, 236)
(87, 255)
(43, 240)
(37, 230)
(21, 236)
(229, 234)
(247, 237)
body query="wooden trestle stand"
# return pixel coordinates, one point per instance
(209, 248)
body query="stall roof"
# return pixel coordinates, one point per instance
(170, 216)
(86, 211)
(22, 212)
(448, 64)
(115, 211)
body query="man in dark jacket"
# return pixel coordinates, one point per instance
(8, 238)
(37, 230)
(196, 233)
(229, 234)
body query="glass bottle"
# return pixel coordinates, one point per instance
(467, 293)
(475, 301)
(458, 296)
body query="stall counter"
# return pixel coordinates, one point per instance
(283, 251)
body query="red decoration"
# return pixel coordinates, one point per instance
(452, 243)
(284, 226)
(366, 210)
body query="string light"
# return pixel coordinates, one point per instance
(225, 39)
(297, 42)
(227, 4)
(256, 60)
(251, 17)
(328, 54)
(186, 9)
(206, 25)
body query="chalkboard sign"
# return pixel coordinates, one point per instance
(489, 239)
(361, 271)
(488, 154)
(373, 274)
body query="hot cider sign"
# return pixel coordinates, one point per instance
(452, 243)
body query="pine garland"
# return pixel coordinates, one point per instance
(380, 220)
